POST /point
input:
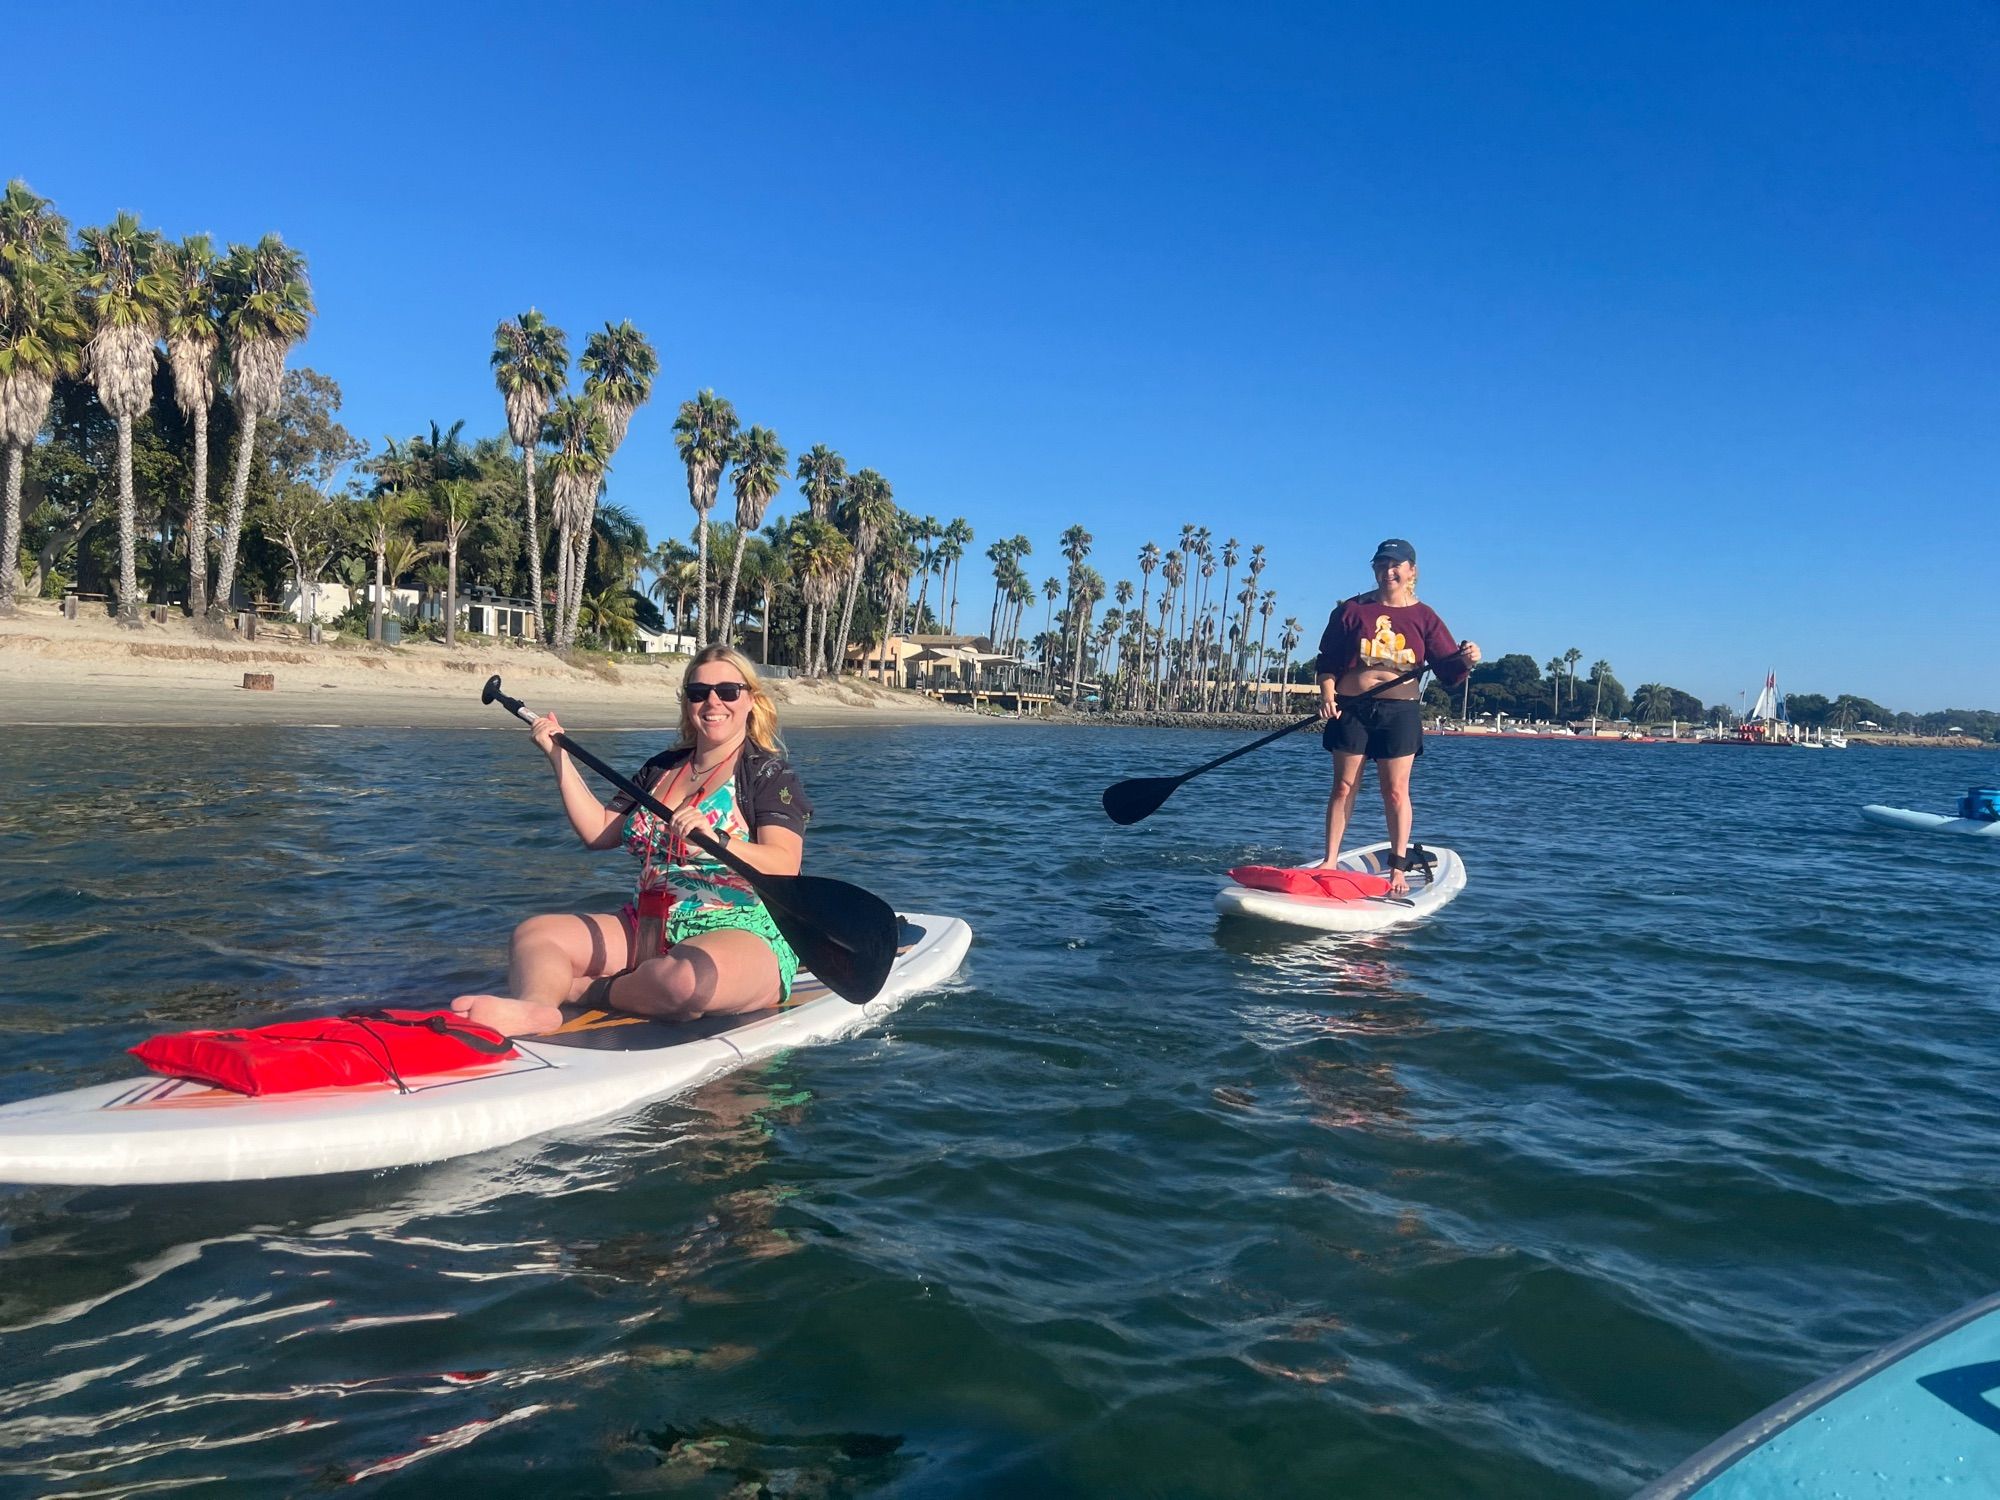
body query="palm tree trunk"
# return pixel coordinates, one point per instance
(375, 613)
(534, 550)
(579, 563)
(847, 616)
(232, 520)
(764, 655)
(701, 585)
(197, 537)
(728, 617)
(10, 530)
(128, 525)
(450, 589)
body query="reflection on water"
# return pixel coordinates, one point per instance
(1527, 1201)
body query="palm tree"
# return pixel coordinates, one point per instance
(672, 565)
(1289, 636)
(608, 614)
(1257, 565)
(822, 477)
(1232, 550)
(1005, 555)
(382, 518)
(1173, 570)
(530, 366)
(1052, 590)
(705, 433)
(458, 506)
(957, 537)
(1149, 559)
(868, 511)
(1075, 547)
(41, 332)
(403, 551)
(1655, 701)
(760, 470)
(267, 306)
(1554, 667)
(1572, 657)
(183, 290)
(820, 559)
(1599, 670)
(1265, 609)
(575, 428)
(125, 322)
(619, 365)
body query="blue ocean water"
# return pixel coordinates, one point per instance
(1684, 1102)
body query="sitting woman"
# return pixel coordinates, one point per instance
(696, 940)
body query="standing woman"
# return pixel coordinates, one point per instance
(1370, 639)
(695, 940)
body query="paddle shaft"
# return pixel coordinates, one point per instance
(630, 788)
(1400, 677)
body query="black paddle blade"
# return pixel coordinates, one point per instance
(1141, 797)
(845, 935)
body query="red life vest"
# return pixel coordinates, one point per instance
(372, 1046)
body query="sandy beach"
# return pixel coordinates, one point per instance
(92, 672)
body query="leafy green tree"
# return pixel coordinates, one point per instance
(312, 528)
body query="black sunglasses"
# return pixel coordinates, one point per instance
(728, 692)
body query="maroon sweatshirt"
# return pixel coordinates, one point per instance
(1360, 633)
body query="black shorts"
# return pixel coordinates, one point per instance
(1379, 728)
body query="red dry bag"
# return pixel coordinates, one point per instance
(1341, 885)
(363, 1046)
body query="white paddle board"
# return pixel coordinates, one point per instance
(155, 1129)
(1903, 817)
(1355, 914)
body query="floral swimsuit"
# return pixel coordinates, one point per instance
(700, 892)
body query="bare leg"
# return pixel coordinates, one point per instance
(718, 973)
(1394, 777)
(1340, 803)
(550, 960)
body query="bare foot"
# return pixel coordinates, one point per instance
(1398, 885)
(1322, 864)
(509, 1017)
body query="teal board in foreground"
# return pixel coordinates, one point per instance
(1903, 817)
(1915, 1419)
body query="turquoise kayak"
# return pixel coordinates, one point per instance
(1915, 1419)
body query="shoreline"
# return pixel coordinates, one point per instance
(92, 673)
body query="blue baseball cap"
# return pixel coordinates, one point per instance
(1394, 550)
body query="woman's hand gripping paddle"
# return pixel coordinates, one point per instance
(845, 935)
(1130, 801)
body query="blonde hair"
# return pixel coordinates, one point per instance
(763, 731)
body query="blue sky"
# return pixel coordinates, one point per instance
(1666, 332)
